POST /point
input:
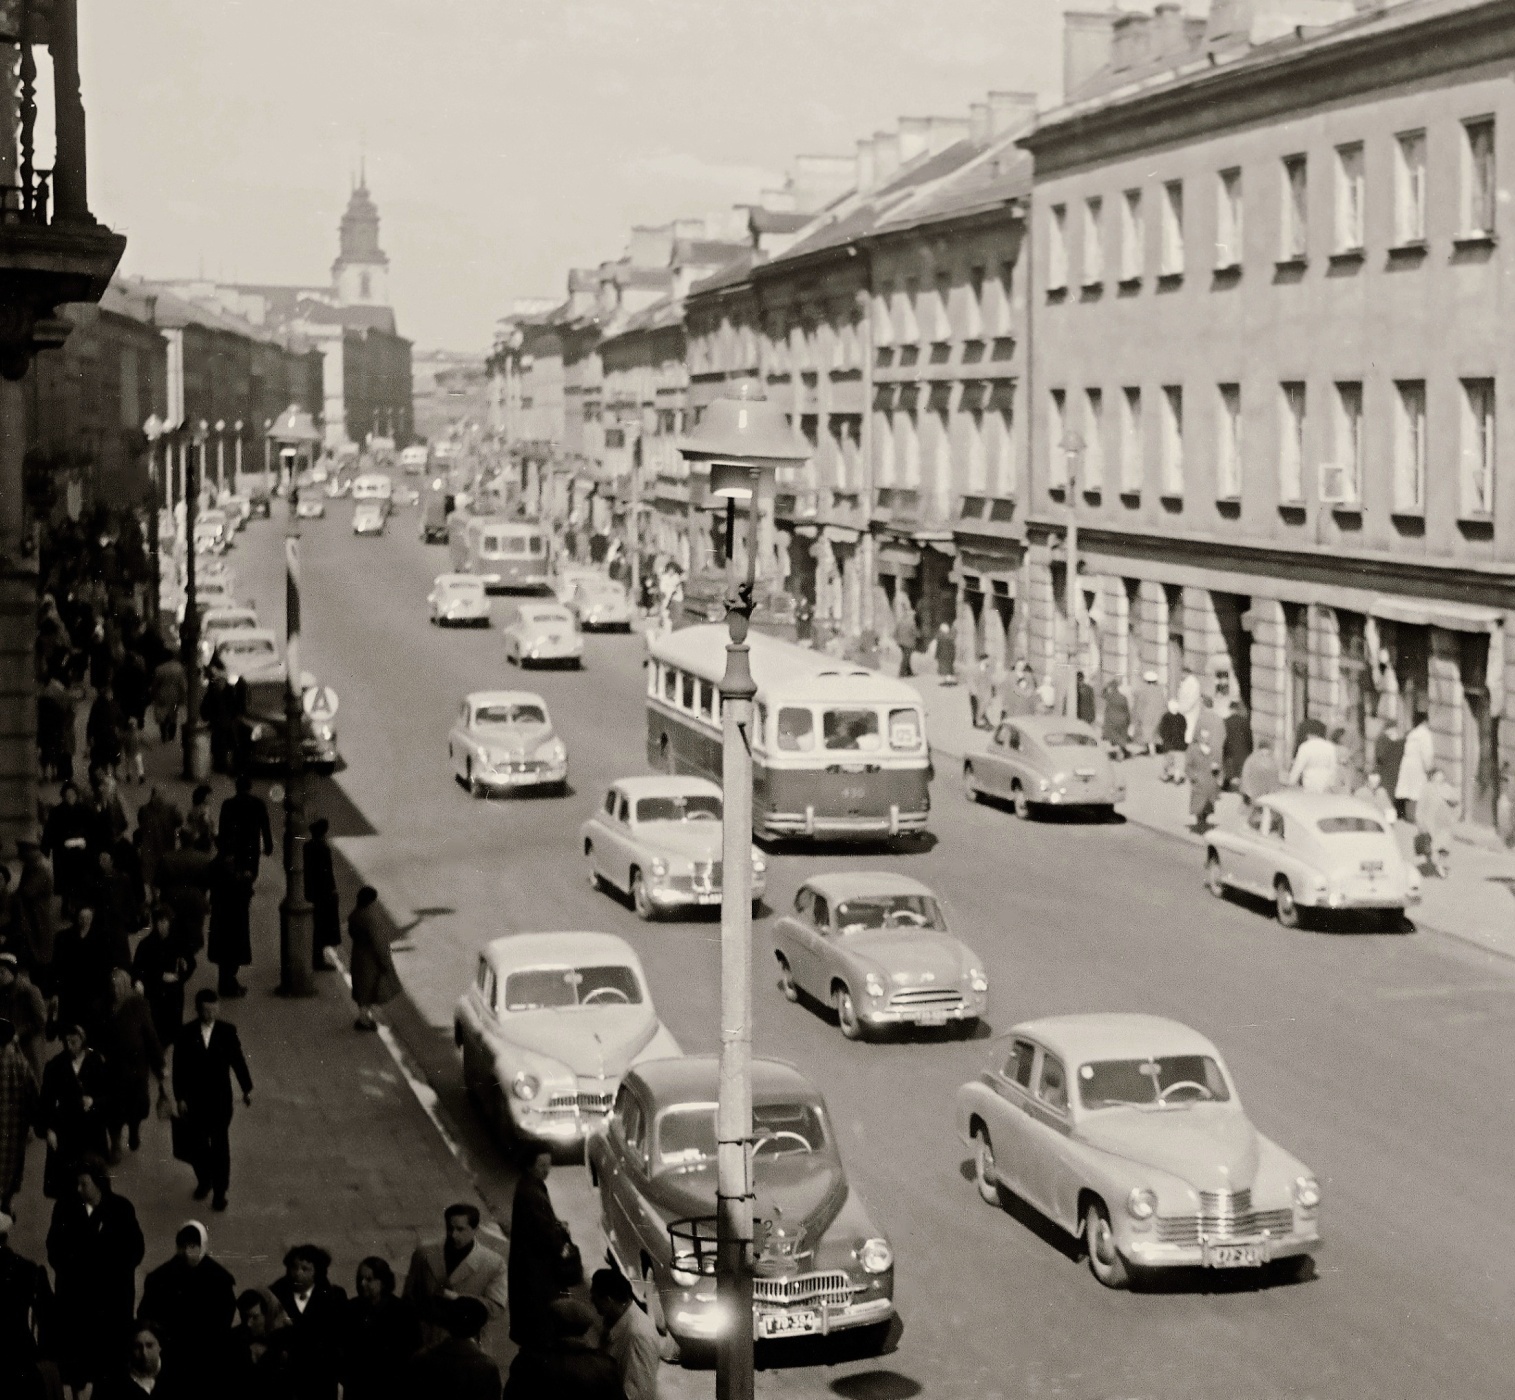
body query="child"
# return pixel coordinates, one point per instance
(131, 751)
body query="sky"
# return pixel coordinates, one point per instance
(505, 141)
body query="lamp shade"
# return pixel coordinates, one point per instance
(744, 433)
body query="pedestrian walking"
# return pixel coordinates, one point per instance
(1202, 769)
(34, 928)
(1373, 792)
(84, 956)
(108, 811)
(220, 710)
(1190, 698)
(26, 1310)
(541, 1252)
(1259, 774)
(455, 1266)
(1116, 727)
(1171, 743)
(907, 638)
(1019, 698)
(94, 1245)
(316, 1308)
(116, 897)
(170, 691)
(65, 840)
(245, 833)
(981, 692)
(161, 968)
(1416, 763)
(374, 980)
(628, 1337)
(193, 1298)
(1435, 816)
(75, 1087)
(946, 655)
(145, 1372)
(804, 620)
(1236, 747)
(230, 944)
(54, 710)
(457, 1366)
(321, 893)
(133, 1058)
(207, 1054)
(102, 730)
(258, 1366)
(199, 824)
(1388, 754)
(1084, 699)
(158, 823)
(1315, 767)
(380, 1335)
(23, 1005)
(20, 1107)
(132, 767)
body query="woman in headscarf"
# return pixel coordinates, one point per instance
(374, 980)
(65, 841)
(193, 1298)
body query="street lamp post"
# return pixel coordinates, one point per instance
(634, 534)
(220, 458)
(296, 974)
(1072, 446)
(745, 441)
(196, 742)
(236, 466)
(152, 430)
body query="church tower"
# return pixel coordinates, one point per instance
(360, 275)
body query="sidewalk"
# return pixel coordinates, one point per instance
(1473, 904)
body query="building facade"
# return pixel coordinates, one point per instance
(1269, 355)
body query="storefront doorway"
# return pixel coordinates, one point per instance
(1230, 609)
(1480, 736)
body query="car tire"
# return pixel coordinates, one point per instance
(847, 1019)
(969, 790)
(475, 789)
(1021, 802)
(1215, 877)
(596, 880)
(640, 901)
(1284, 906)
(985, 1177)
(1106, 1262)
(787, 985)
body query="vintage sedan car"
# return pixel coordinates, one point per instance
(219, 623)
(1312, 851)
(822, 1266)
(247, 652)
(601, 605)
(1126, 1130)
(458, 598)
(310, 507)
(503, 740)
(262, 738)
(259, 505)
(875, 947)
(1041, 761)
(368, 517)
(542, 634)
(548, 1027)
(657, 839)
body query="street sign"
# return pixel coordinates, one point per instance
(319, 702)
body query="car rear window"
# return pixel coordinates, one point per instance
(1348, 826)
(686, 1135)
(1069, 738)
(545, 988)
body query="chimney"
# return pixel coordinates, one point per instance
(1087, 39)
(817, 180)
(980, 123)
(1261, 21)
(867, 168)
(689, 228)
(942, 132)
(886, 155)
(1167, 30)
(913, 138)
(1011, 111)
(1131, 45)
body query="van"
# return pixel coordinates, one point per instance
(373, 486)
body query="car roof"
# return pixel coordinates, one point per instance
(518, 950)
(696, 1079)
(1114, 1035)
(666, 785)
(216, 614)
(1037, 725)
(848, 884)
(459, 578)
(535, 607)
(246, 632)
(1312, 806)
(504, 697)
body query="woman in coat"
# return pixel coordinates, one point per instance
(1237, 747)
(75, 1093)
(321, 891)
(230, 945)
(1117, 724)
(1202, 769)
(65, 841)
(161, 968)
(374, 980)
(257, 1366)
(380, 1335)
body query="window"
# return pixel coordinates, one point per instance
(1094, 440)
(1228, 442)
(1349, 198)
(610, 801)
(851, 729)
(1410, 187)
(1291, 442)
(941, 453)
(1094, 250)
(796, 729)
(1057, 430)
(1018, 1064)
(1131, 463)
(941, 308)
(976, 308)
(910, 305)
(1173, 440)
(1173, 229)
(1295, 232)
(1000, 447)
(907, 430)
(1052, 1086)
(1057, 249)
(707, 699)
(1410, 445)
(1228, 227)
(978, 457)
(1478, 178)
(1341, 479)
(686, 698)
(1477, 447)
(1133, 236)
(883, 317)
(883, 446)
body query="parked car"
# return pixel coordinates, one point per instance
(1312, 851)
(219, 623)
(875, 947)
(542, 634)
(548, 1027)
(458, 598)
(260, 506)
(237, 508)
(262, 733)
(657, 839)
(310, 507)
(368, 517)
(822, 1266)
(1041, 761)
(1126, 1131)
(248, 651)
(601, 605)
(503, 740)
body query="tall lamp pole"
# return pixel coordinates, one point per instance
(634, 534)
(745, 441)
(196, 743)
(220, 458)
(152, 430)
(236, 468)
(296, 973)
(1072, 446)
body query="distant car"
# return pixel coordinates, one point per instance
(541, 634)
(458, 598)
(310, 508)
(1126, 1130)
(601, 604)
(821, 1264)
(237, 508)
(368, 518)
(567, 577)
(260, 507)
(658, 840)
(1312, 851)
(337, 487)
(503, 740)
(1041, 761)
(247, 652)
(212, 532)
(876, 948)
(548, 1027)
(222, 622)
(413, 460)
(209, 593)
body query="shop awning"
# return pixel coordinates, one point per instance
(1431, 612)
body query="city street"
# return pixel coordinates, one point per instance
(1380, 1060)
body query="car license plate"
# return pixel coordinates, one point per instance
(931, 1018)
(803, 1323)
(1237, 1256)
(1371, 867)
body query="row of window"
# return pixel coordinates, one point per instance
(984, 441)
(1347, 173)
(1085, 446)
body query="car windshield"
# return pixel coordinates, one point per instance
(247, 646)
(695, 807)
(851, 729)
(232, 622)
(1069, 739)
(551, 988)
(1349, 826)
(686, 1135)
(876, 911)
(510, 714)
(603, 588)
(1164, 1079)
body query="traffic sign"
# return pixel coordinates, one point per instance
(319, 702)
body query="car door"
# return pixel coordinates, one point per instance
(1252, 849)
(616, 1176)
(455, 740)
(623, 840)
(994, 779)
(1010, 1127)
(601, 844)
(787, 931)
(1050, 1123)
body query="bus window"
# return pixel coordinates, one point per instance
(851, 729)
(535, 545)
(796, 729)
(670, 684)
(688, 693)
(904, 729)
(707, 699)
(514, 544)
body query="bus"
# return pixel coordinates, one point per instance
(506, 554)
(838, 752)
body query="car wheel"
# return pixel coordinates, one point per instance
(475, 788)
(1283, 903)
(970, 791)
(846, 1014)
(984, 1175)
(787, 984)
(641, 901)
(1022, 803)
(1105, 1261)
(1215, 879)
(596, 880)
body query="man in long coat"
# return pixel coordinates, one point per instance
(537, 1238)
(455, 1266)
(230, 945)
(206, 1054)
(321, 891)
(18, 1112)
(245, 833)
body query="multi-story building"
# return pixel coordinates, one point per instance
(1269, 355)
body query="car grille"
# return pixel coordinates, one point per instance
(706, 878)
(1223, 1215)
(804, 1289)
(583, 1103)
(926, 999)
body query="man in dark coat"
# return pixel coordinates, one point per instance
(1085, 699)
(161, 968)
(537, 1238)
(75, 1088)
(317, 1312)
(33, 925)
(158, 823)
(26, 1303)
(564, 1363)
(194, 1299)
(245, 831)
(207, 1052)
(65, 839)
(103, 730)
(457, 1368)
(219, 710)
(133, 1058)
(84, 957)
(321, 891)
(230, 947)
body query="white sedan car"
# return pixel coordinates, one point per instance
(503, 740)
(248, 652)
(311, 507)
(542, 634)
(601, 604)
(219, 623)
(1312, 851)
(458, 598)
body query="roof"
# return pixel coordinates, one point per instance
(777, 220)
(1043, 724)
(1114, 1035)
(734, 274)
(504, 697)
(850, 884)
(667, 785)
(1313, 806)
(696, 1079)
(518, 950)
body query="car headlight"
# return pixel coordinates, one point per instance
(876, 1256)
(258, 731)
(1044, 785)
(1306, 1192)
(525, 1086)
(554, 752)
(875, 984)
(322, 732)
(978, 980)
(1141, 1204)
(759, 865)
(658, 866)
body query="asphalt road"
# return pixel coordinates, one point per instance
(1382, 1060)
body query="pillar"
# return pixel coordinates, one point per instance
(1325, 666)
(1269, 679)
(18, 630)
(1152, 631)
(70, 182)
(1446, 702)
(1041, 620)
(1115, 631)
